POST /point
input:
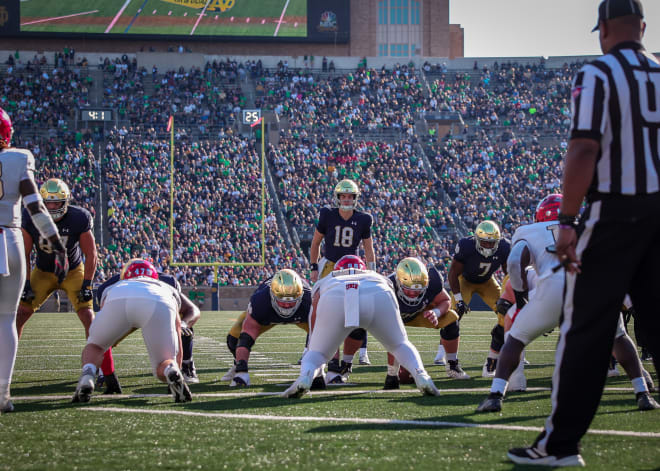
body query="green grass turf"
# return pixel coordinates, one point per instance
(52, 433)
(242, 9)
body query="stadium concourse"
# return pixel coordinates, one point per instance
(424, 191)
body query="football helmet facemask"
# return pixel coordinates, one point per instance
(487, 236)
(138, 267)
(286, 292)
(347, 187)
(6, 128)
(350, 261)
(56, 191)
(412, 279)
(548, 208)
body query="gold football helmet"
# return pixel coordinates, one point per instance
(487, 237)
(286, 292)
(56, 191)
(413, 280)
(347, 187)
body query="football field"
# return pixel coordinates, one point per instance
(356, 426)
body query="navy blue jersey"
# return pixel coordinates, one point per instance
(436, 285)
(164, 277)
(261, 307)
(342, 236)
(75, 222)
(476, 267)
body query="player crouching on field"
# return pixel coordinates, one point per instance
(139, 301)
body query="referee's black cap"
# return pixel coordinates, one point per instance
(609, 9)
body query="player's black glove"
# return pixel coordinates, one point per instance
(522, 298)
(186, 331)
(61, 264)
(28, 295)
(461, 309)
(85, 294)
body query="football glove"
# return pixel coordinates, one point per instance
(61, 264)
(28, 295)
(461, 309)
(85, 294)
(186, 331)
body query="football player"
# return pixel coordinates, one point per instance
(476, 259)
(281, 299)
(139, 301)
(75, 227)
(352, 296)
(16, 183)
(189, 317)
(533, 244)
(342, 228)
(423, 302)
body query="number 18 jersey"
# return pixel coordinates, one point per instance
(342, 236)
(540, 240)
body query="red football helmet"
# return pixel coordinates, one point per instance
(6, 129)
(350, 261)
(138, 267)
(548, 208)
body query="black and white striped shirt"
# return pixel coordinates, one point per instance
(616, 101)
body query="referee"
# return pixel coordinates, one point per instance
(613, 161)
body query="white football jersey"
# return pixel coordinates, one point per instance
(15, 165)
(158, 290)
(368, 280)
(540, 240)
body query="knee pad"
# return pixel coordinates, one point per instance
(451, 332)
(358, 334)
(502, 306)
(232, 343)
(245, 340)
(497, 339)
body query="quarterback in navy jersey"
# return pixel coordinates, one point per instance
(284, 298)
(75, 226)
(341, 228)
(476, 259)
(423, 302)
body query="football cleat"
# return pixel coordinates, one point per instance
(6, 406)
(426, 385)
(229, 375)
(318, 383)
(488, 371)
(532, 456)
(241, 380)
(85, 388)
(299, 387)
(364, 359)
(455, 371)
(517, 381)
(189, 372)
(112, 385)
(100, 380)
(493, 403)
(391, 382)
(440, 358)
(645, 401)
(612, 372)
(178, 387)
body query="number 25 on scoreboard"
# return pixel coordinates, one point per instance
(251, 116)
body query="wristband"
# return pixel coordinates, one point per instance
(314, 267)
(458, 297)
(566, 220)
(566, 226)
(86, 284)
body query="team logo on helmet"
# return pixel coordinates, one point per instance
(548, 208)
(286, 292)
(487, 236)
(6, 128)
(138, 267)
(350, 261)
(412, 279)
(346, 187)
(56, 191)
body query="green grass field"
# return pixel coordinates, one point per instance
(350, 427)
(244, 18)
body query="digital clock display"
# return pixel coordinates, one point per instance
(96, 115)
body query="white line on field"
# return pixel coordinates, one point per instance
(59, 17)
(279, 23)
(355, 420)
(201, 15)
(117, 16)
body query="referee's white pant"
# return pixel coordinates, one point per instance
(619, 247)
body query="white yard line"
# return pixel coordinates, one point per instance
(351, 420)
(279, 23)
(201, 15)
(117, 16)
(58, 18)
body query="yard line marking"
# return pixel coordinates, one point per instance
(135, 17)
(59, 17)
(201, 15)
(351, 420)
(279, 23)
(117, 16)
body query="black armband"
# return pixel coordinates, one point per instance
(521, 298)
(566, 220)
(245, 340)
(313, 267)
